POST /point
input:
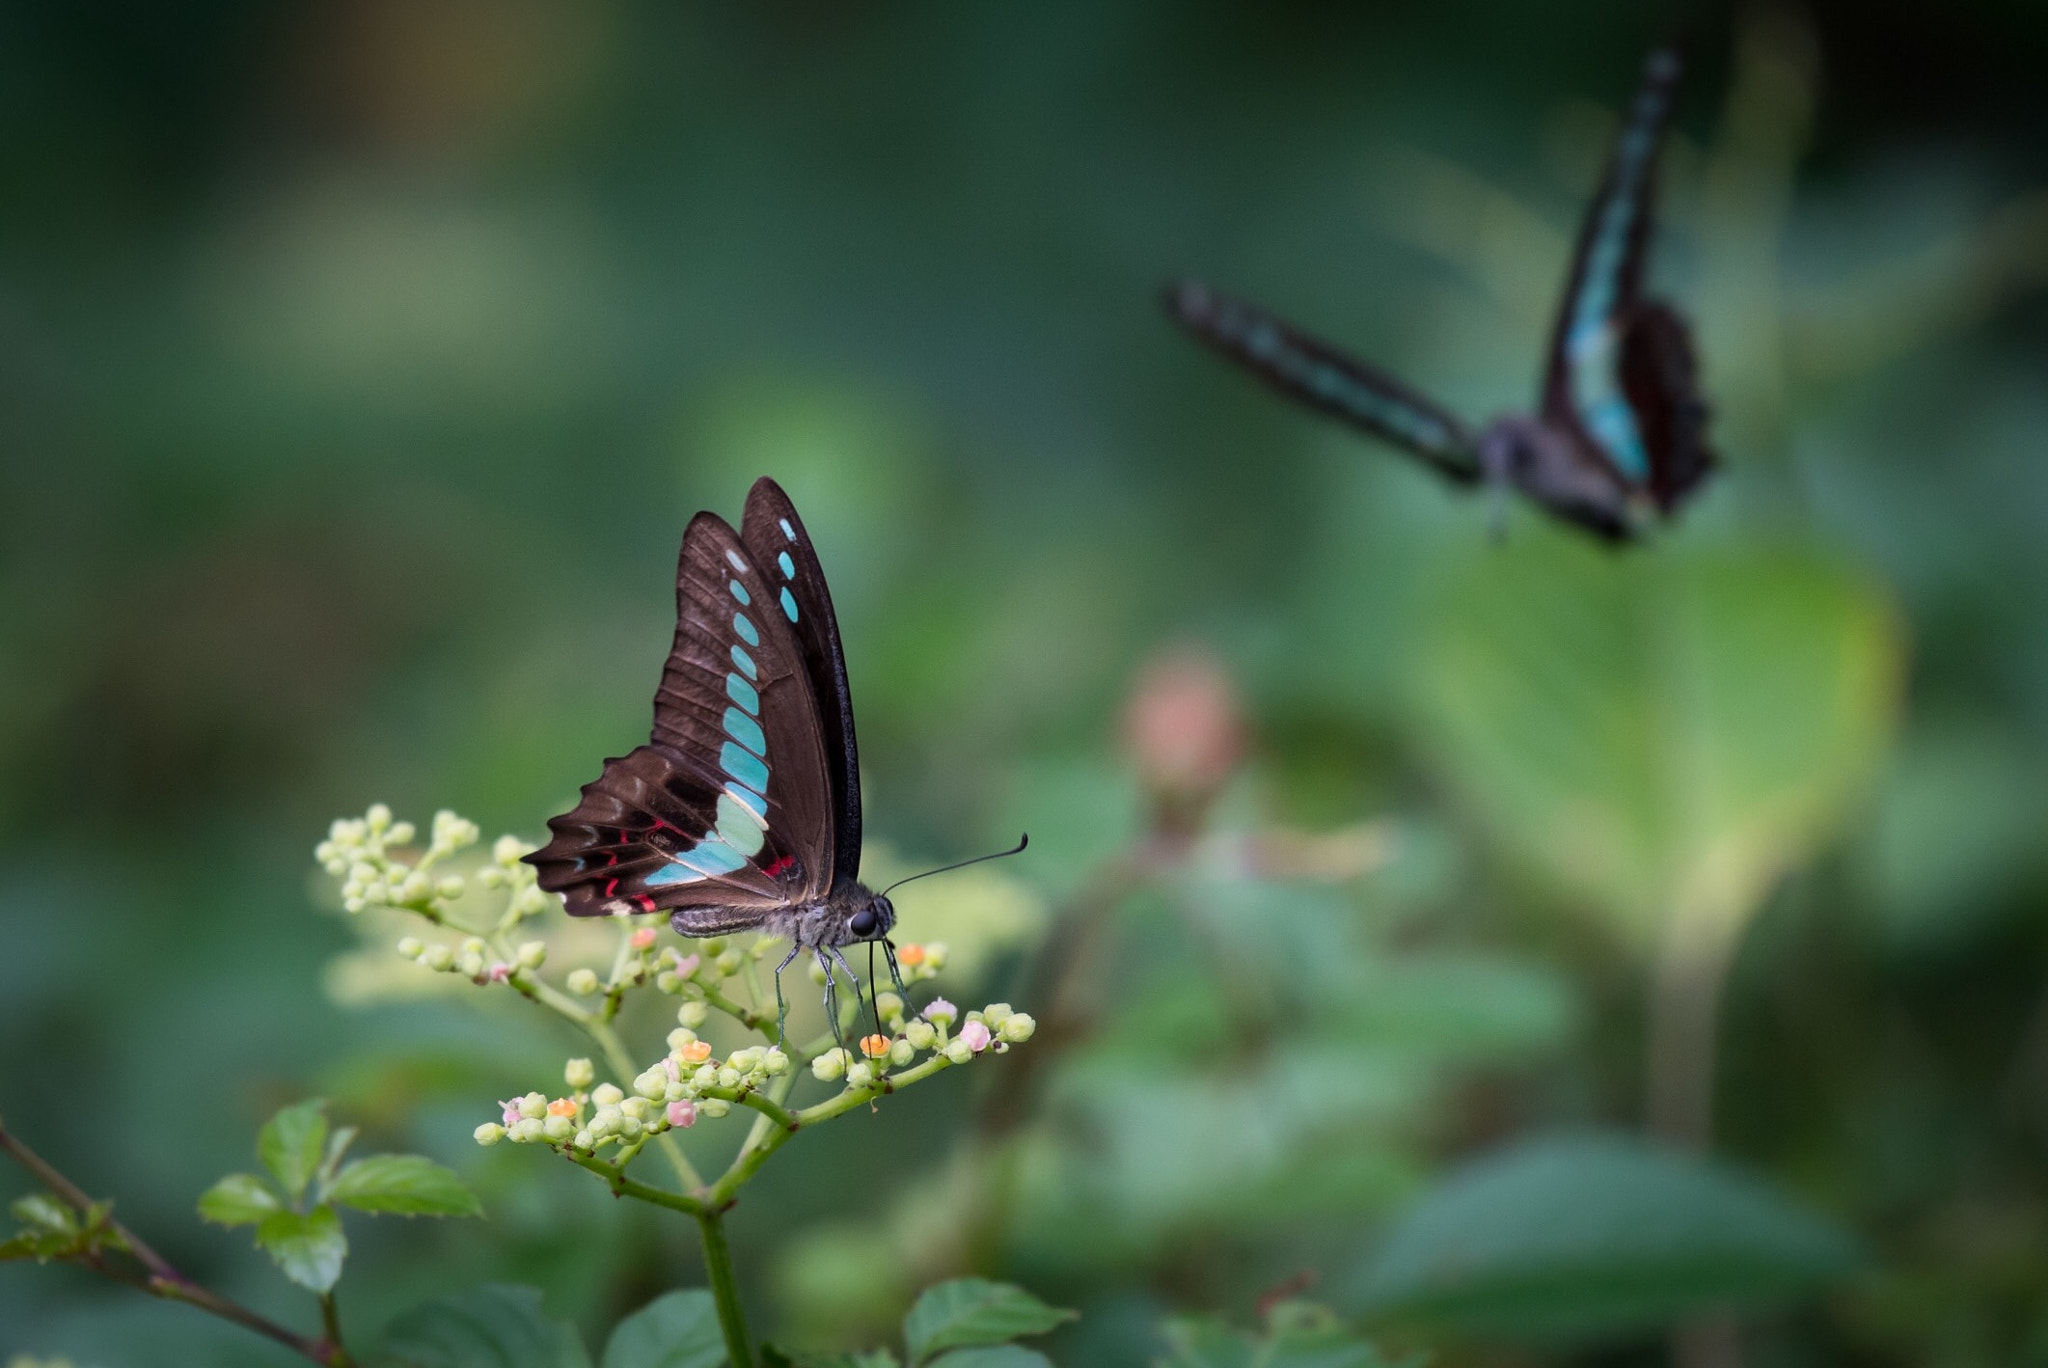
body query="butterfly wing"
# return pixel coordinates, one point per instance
(1620, 374)
(1324, 378)
(782, 550)
(725, 815)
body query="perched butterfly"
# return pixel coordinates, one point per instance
(742, 813)
(1620, 431)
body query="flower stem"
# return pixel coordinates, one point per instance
(167, 1282)
(725, 1292)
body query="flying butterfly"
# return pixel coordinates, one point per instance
(1619, 435)
(742, 812)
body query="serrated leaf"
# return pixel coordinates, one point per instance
(41, 1245)
(494, 1326)
(403, 1184)
(308, 1246)
(238, 1199)
(46, 1214)
(992, 1356)
(290, 1145)
(974, 1311)
(676, 1330)
(1595, 1234)
(337, 1145)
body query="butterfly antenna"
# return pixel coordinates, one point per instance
(874, 990)
(1018, 849)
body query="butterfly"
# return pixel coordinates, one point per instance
(742, 812)
(1619, 434)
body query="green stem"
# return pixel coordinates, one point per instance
(725, 1291)
(622, 1066)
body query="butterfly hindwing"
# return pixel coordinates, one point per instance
(1325, 378)
(782, 549)
(726, 813)
(1620, 377)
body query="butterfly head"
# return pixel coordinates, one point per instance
(872, 920)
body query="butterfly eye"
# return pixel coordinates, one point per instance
(863, 923)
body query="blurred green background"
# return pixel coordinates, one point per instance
(361, 362)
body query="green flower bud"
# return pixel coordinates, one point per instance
(713, 1107)
(473, 945)
(362, 874)
(449, 887)
(693, 1014)
(995, 1014)
(378, 817)
(579, 1074)
(490, 1133)
(410, 947)
(1017, 1027)
(533, 1104)
(558, 1128)
(888, 1004)
(729, 1077)
(583, 982)
(532, 954)
(901, 1052)
(439, 958)
(774, 1062)
(714, 946)
(527, 1131)
(829, 1066)
(730, 963)
(472, 966)
(667, 982)
(935, 955)
(401, 833)
(921, 1034)
(653, 1083)
(630, 1128)
(679, 1037)
(335, 867)
(674, 1092)
(635, 1107)
(491, 878)
(506, 850)
(607, 1095)
(606, 1122)
(859, 1074)
(705, 1077)
(959, 1051)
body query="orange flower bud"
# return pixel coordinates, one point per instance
(696, 1051)
(562, 1106)
(643, 938)
(911, 954)
(874, 1046)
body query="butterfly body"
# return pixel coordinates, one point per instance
(742, 812)
(1619, 435)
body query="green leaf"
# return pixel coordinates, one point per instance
(772, 1357)
(337, 1145)
(308, 1246)
(290, 1144)
(1662, 736)
(407, 1184)
(44, 1213)
(238, 1199)
(676, 1330)
(971, 1311)
(495, 1326)
(992, 1356)
(1297, 1335)
(1596, 1234)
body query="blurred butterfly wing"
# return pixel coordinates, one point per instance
(725, 815)
(783, 552)
(1597, 385)
(1324, 378)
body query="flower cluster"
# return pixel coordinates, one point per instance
(364, 853)
(930, 1032)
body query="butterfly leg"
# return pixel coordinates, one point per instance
(1496, 464)
(781, 1002)
(895, 974)
(832, 1001)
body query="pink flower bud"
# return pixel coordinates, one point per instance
(500, 972)
(1185, 734)
(511, 1111)
(687, 966)
(975, 1036)
(683, 1113)
(675, 1073)
(643, 938)
(942, 1011)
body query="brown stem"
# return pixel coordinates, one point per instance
(163, 1280)
(1685, 1004)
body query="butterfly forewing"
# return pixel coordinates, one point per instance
(1325, 378)
(725, 814)
(782, 550)
(1597, 385)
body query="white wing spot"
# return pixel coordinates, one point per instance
(737, 563)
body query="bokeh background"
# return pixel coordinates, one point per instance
(361, 361)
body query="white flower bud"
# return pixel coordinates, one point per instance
(995, 1014)
(472, 966)
(533, 1104)
(730, 963)
(527, 1131)
(335, 866)
(583, 982)
(959, 1051)
(693, 1014)
(584, 1140)
(532, 954)
(401, 833)
(438, 958)
(490, 1133)
(607, 1095)
(450, 887)
(410, 947)
(491, 878)
(859, 1074)
(713, 946)
(635, 1107)
(558, 1128)
(506, 850)
(705, 1077)
(578, 1073)
(1017, 1027)
(713, 1107)
(889, 1005)
(901, 1052)
(667, 982)
(728, 1077)
(829, 1066)
(774, 1062)
(630, 1128)
(921, 1035)
(378, 817)
(362, 874)
(653, 1083)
